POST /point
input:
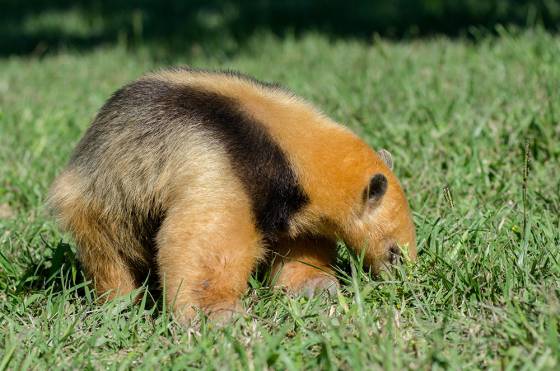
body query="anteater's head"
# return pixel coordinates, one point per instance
(380, 222)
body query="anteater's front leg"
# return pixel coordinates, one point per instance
(303, 265)
(206, 252)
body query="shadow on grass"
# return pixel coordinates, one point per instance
(60, 270)
(43, 26)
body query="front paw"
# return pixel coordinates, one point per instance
(219, 314)
(319, 285)
(225, 313)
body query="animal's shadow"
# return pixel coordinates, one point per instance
(59, 271)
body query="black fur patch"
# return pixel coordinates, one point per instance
(377, 187)
(154, 112)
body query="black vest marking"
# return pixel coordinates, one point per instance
(258, 161)
(160, 109)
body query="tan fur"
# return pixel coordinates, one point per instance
(208, 243)
(97, 240)
(304, 265)
(208, 246)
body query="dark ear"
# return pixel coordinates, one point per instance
(386, 157)
(376, 188)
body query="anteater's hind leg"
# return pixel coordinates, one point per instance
(303, 265)
(103, 263)
(101, 241)
(207, 248)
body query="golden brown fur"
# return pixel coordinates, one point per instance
(187, 212)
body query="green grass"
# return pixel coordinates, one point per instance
(477, 117)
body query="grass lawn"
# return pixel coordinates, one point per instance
(474, 128)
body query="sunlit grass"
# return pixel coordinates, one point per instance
(480, 119)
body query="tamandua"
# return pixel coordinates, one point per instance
(201, 175)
